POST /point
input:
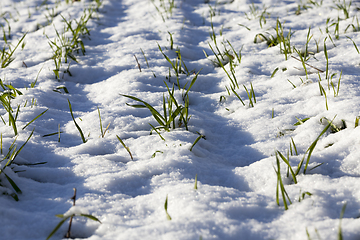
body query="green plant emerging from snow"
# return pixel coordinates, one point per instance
(171, 111)
(77, 126)
(64, 47)
(70, 215)
(164, 8)
(6, 54)
(280, 188)
(281, 39)
(166, 207)
(6, 162)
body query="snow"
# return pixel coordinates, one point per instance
(234, 161)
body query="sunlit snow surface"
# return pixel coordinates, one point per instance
(236, 195)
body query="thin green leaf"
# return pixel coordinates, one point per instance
(13, 184)
(160, 119)
(57, 227)
(288, 164)
(127, 148)
(22, 146)
(195, 185)
(195, 142)
(35, 119)
(192, 82)
(77, 126)
(90, 217)
(12, 122)
(153, 128)
(165, 206)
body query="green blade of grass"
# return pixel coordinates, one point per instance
(77, 126)
(293, 143)
(51, 134)
(288, 164)
(165, 206)
(154, 129)
(22, 146)
(192, 82)
(195, 185)
(196, 141)
(57, 227)
(90, 217)
(312, 146)
(127, 148)
(160, 119)
(237, 95)
(340, 235)
(5, 62)
(35, 119)
(13, 184)
(12, 122)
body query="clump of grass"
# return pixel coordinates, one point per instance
(302, 60)
(336, 25)
(310, 150)
(255, 12)
(9, 93)
(79, 30)
(164, 120)
(280, 39)
(171, 110)
(6, 54)
(344, 7)
(65, 47)
(233, 81)
(251, 95)
(279, 156)
(284, 42)
(167, 8)
(62, 49)
(9, 159)
(301, 7)
(178, 65)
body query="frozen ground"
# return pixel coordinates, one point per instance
(235, 161)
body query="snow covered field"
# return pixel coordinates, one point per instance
(254, 87)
